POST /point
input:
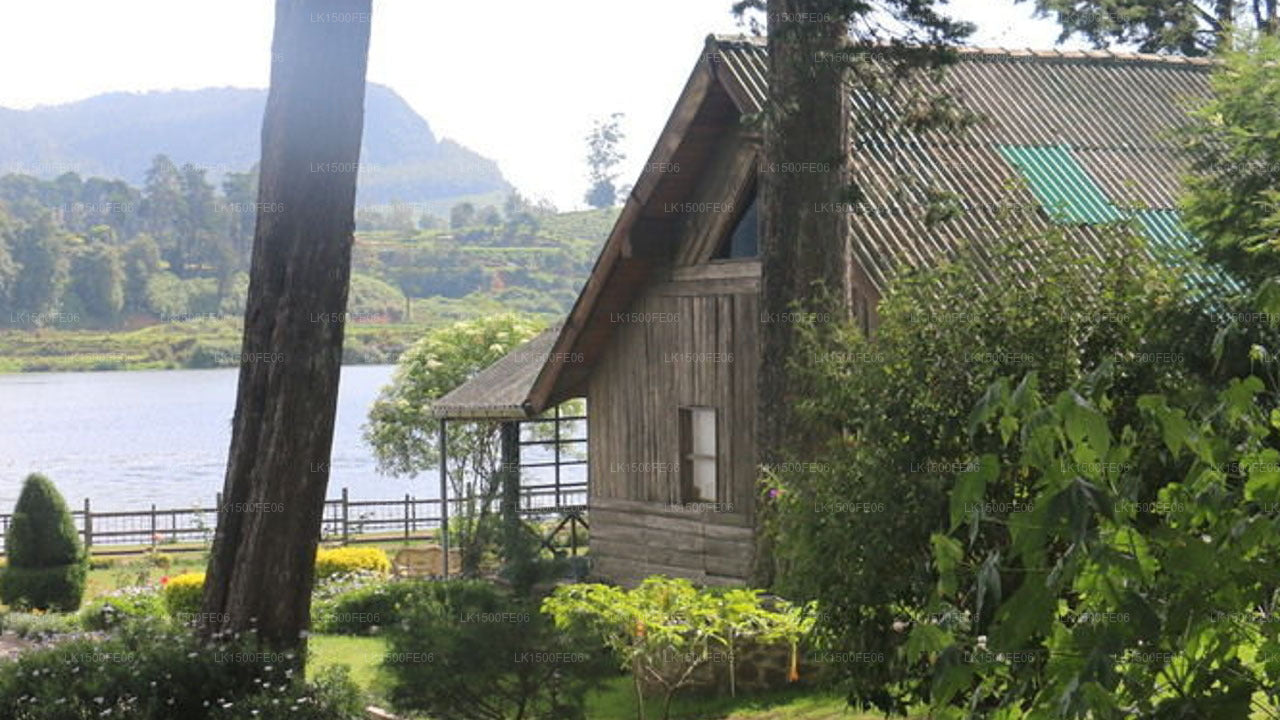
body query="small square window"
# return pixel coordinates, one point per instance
(698, 457)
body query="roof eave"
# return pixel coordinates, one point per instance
(546, 388)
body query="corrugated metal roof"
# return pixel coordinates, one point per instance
(1092, 131)
(1061, 185)
(500, 391)
(1114, 112)
(1174, 244)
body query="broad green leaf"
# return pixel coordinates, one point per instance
(970, 488)
(925, 639)
(1264, 477)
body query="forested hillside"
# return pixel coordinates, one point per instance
(99, 274)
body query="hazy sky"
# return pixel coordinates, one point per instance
(517, 80)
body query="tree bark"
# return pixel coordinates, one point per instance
(804, 244)
(262, 563)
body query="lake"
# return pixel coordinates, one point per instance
(126, 440)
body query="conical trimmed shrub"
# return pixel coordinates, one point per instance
(47, 564)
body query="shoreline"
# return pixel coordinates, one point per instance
(188, 346)
(146, 367)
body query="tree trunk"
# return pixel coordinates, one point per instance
(804, 245)
(262, 563)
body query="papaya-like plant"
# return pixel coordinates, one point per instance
(666, 629)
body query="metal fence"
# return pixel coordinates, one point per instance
(553, 482)
(345, 520)
(552, 478)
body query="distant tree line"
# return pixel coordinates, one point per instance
(89, 253)
(96, 253)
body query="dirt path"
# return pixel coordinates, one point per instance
(11, 645)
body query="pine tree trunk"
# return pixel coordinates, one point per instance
(262, 564)
(804, 245)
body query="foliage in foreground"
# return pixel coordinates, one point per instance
(894, 408)
(466, 650)
(46, 566)
(1140, 578)
(149, 671)
(665, 630)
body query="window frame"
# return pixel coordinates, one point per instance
(689, 489)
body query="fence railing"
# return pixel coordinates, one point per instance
(344, 520)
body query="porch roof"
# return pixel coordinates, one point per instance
(500, 391)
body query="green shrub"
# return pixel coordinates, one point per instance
(47, 565)
(359, 603)
(108, 611)
(183, 593)
(151, 671)
(334, 561)
(887, 418)
(466, 650)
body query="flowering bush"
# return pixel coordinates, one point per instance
(182, 593)
(350, 559)
(149, 671)
(107, 611)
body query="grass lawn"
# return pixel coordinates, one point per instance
(361, 654)
(617, 702)
(132, 571)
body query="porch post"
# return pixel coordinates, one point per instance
(444, 497)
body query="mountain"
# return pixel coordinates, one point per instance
(115, 135)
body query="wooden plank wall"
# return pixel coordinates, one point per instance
(688, 340)
(631, 540)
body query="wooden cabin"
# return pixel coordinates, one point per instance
(662, 341)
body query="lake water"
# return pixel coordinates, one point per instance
(126, 440)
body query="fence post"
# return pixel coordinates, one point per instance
(557, 447)
(153, 526)
(406, 517)
(346, 533)
(88, 525)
